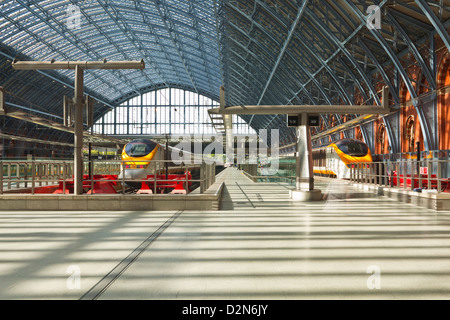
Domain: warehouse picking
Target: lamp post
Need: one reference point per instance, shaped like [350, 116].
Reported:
[79, 67]
[303, 117]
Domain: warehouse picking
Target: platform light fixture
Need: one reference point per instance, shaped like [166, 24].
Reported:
[79, 100]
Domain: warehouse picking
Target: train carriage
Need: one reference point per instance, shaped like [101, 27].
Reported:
[138, 156]
[335, 159]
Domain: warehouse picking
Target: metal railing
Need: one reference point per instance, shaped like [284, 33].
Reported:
[285, 179]
[155, 168]
[408, 174]
[252, 172]
[23, 174]
[29, 175]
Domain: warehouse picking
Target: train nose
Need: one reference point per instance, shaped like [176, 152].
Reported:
[133, 174]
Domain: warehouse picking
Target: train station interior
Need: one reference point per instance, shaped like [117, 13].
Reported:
[224, 150]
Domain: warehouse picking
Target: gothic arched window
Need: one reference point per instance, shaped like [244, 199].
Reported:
[409, 133]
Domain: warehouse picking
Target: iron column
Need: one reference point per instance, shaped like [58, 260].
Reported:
[78, 137]
[79, 67]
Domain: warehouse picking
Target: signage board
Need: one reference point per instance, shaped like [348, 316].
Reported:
[313, 120]
[293, 120]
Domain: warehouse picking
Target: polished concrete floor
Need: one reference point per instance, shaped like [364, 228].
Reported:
[260, 245]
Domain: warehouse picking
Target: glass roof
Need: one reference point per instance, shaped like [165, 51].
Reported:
[176, 39]
[275, 52]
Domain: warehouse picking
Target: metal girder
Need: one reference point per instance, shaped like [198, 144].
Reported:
[440, 29]
[395, 60]
[248, 74]
[264, 31]
[65, 84]
[250, 40]
[261, 29]
[380, 69]
[57, 126]
[33, 140]
[110, 5]
[43, 41]
[333, 56]
[390, 133]
[146, 8]
[294, 26]
[194, 46]
[170, 28]
[314, 80]
[73, 39]
[425, 69]
[313, 109]
[342, 91]
[349, 56]
[327, 109]
[355, 80]
[386, 47]
[126, 26]
[71, 65]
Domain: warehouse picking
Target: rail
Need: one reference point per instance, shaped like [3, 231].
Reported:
[409, 174]
[19, 175]
[252, 172]
[285, 179]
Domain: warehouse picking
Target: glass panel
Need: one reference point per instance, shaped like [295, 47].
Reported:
[165, 111]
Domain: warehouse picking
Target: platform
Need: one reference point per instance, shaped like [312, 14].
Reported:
[260, 245]
[209, 200]
[429, 199]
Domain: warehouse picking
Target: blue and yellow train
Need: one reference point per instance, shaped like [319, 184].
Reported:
[335, 159]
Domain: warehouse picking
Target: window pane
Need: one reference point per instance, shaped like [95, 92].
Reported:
[121, 114]
[165, 111]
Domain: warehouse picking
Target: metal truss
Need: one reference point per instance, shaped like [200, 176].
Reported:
[331, 52]
[273, 52]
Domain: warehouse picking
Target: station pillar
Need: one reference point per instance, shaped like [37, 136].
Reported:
[79, 67]
[304, 170]
[78, 136]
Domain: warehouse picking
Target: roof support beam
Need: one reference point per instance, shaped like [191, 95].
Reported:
[60, 81]
[58, 27]
[391, 88]
[428, 141]
[311, 109]
[134, 40]
[380, 69]
[297, 109]
[349, 56]
[71, 65]
[348, 39]
[414, 50]
[282, 52]
[173, 36]
[79, 67]
[440, 29]
[285, 46]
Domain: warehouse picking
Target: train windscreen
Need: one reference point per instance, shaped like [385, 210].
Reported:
[139, 149]
[353, 148]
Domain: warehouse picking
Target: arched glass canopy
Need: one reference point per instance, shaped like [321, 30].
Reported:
[276, 52]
